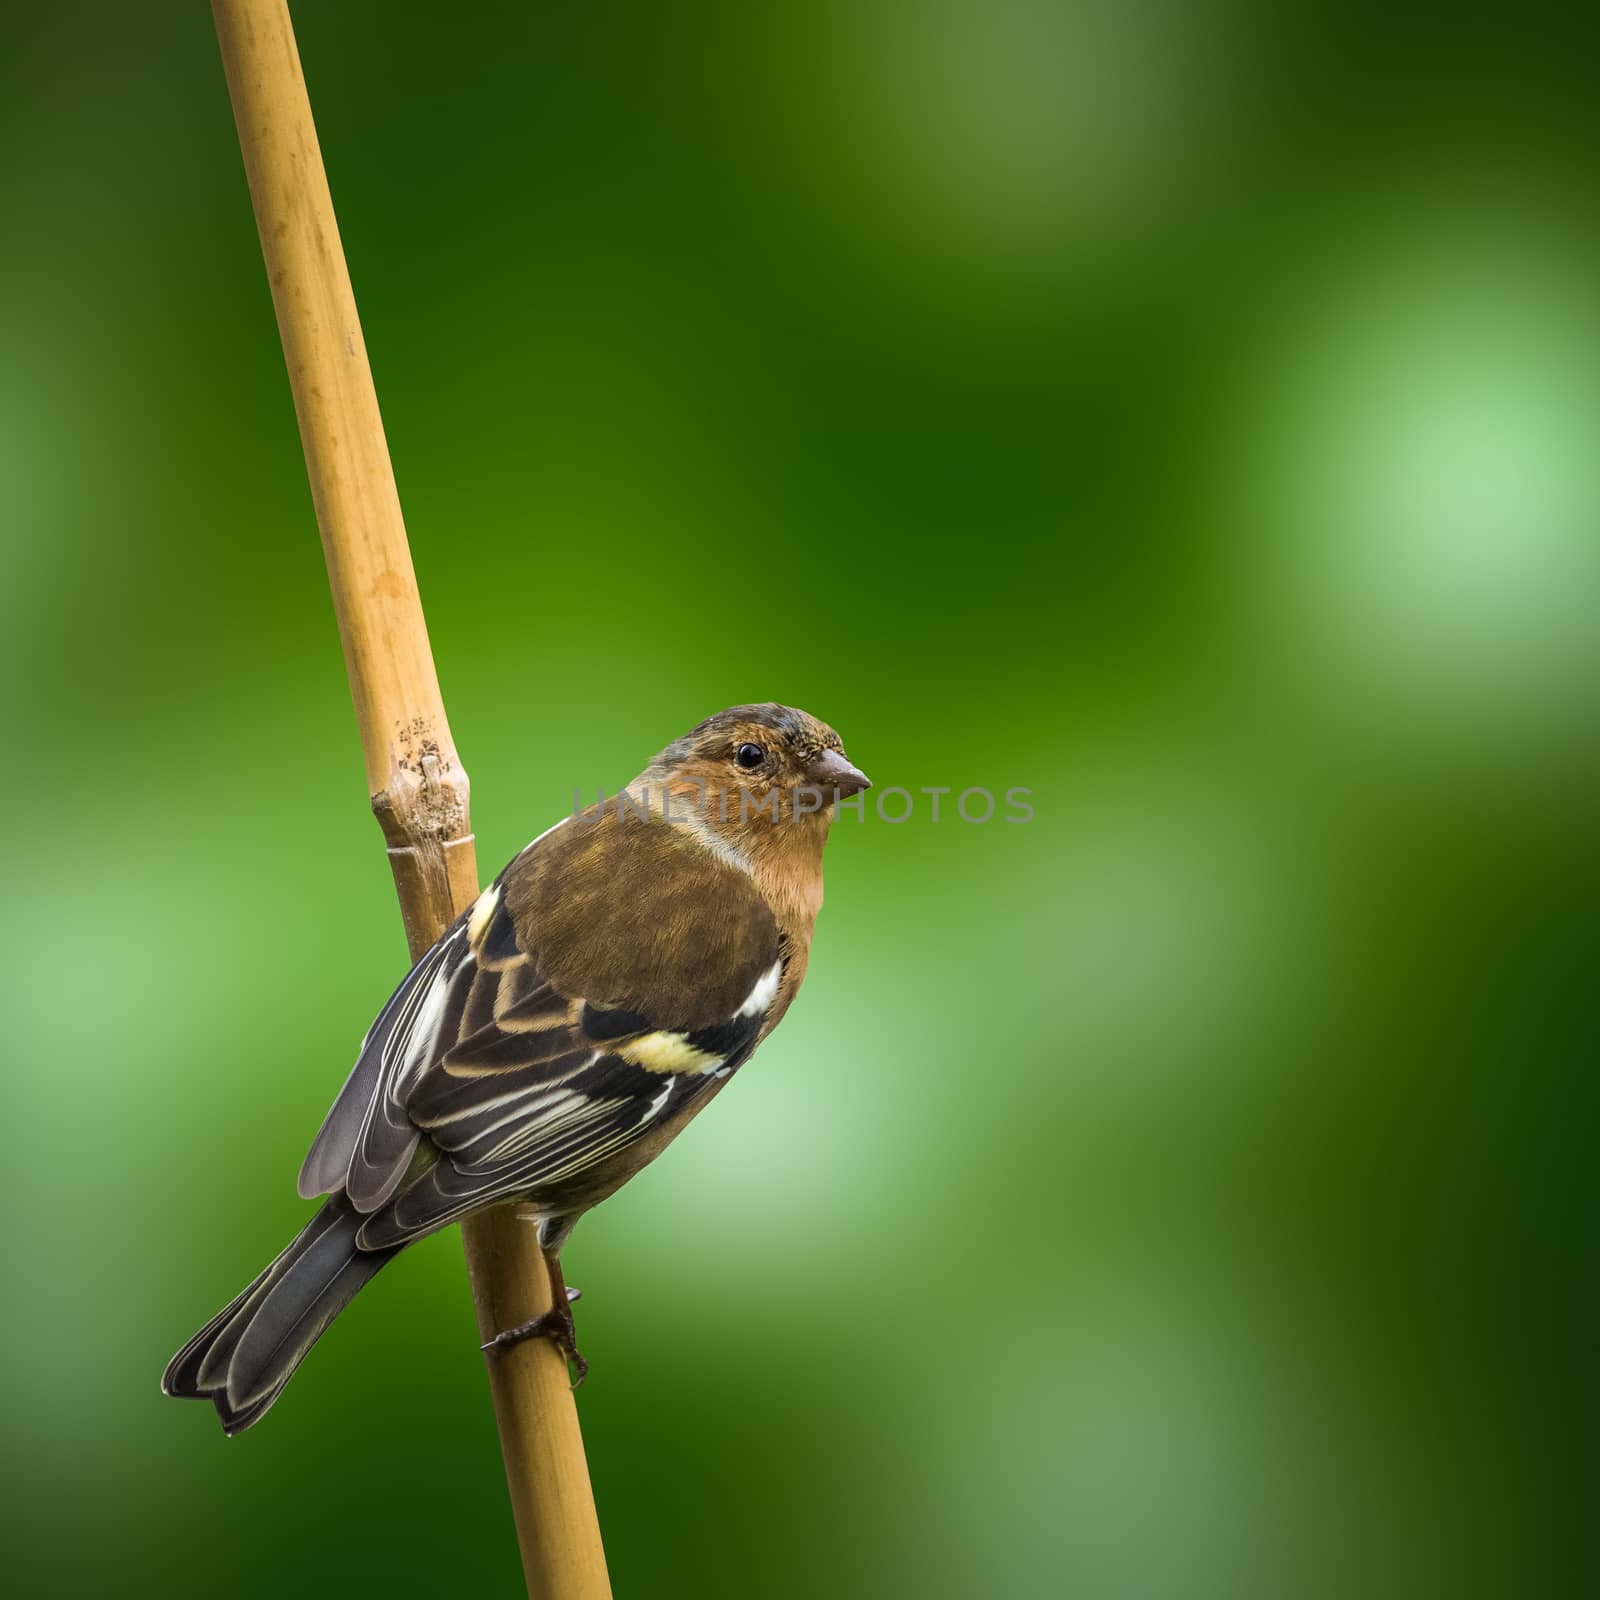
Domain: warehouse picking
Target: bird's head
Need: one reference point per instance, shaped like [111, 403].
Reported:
[759, 774]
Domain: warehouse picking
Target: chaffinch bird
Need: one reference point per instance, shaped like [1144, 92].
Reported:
[597, 996]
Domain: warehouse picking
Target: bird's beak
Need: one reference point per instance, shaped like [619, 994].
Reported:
[831, 771]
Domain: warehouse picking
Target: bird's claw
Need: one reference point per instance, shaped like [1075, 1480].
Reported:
[555, 1325]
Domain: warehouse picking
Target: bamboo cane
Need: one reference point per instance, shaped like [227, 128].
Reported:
[418, 787]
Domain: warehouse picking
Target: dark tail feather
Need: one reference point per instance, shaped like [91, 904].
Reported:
[244, 1355]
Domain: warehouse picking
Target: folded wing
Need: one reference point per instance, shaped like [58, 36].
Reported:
[485, 1079]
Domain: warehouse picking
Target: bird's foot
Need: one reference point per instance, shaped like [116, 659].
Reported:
[554, 1325]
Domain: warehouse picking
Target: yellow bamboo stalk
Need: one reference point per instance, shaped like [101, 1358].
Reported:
[418, 787]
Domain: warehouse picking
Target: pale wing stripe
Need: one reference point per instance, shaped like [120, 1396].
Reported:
[585, 1158]
[570, 1119]
[397, 1048]
[424, 1031]
[398, 1038]
[508, 1182]
[659, 1101]
[765, 992]
[536, 1117]
[577, 1160]
[529, 1092]
[593, 1113]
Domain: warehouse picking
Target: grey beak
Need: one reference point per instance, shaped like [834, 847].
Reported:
[831, 771]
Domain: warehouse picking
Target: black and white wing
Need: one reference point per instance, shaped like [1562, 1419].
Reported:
[481, 1080]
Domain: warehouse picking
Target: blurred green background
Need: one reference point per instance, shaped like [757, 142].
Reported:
[1191, 414]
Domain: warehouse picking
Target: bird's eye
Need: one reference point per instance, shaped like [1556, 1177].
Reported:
[749, 756]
